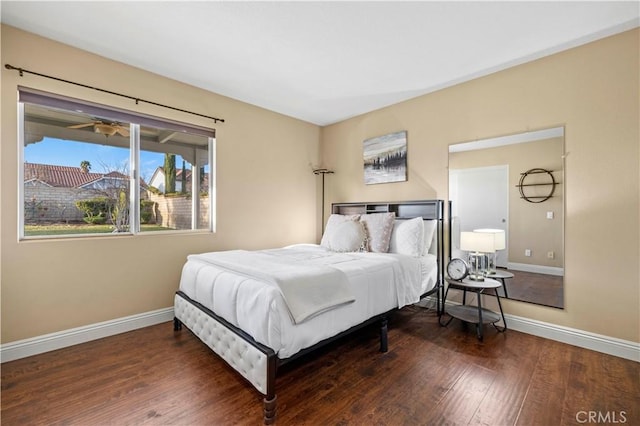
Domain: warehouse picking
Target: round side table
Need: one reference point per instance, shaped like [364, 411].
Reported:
[474, 314]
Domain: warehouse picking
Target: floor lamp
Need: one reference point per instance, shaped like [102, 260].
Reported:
[322, 172]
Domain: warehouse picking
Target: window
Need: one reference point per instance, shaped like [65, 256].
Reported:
[89, 169]
[177, 178]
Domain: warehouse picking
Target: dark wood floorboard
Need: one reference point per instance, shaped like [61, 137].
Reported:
[431, 375]
[541, 289]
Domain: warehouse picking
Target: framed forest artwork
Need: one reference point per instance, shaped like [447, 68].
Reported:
[385, 158]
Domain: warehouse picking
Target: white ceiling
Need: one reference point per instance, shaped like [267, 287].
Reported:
[322, 62]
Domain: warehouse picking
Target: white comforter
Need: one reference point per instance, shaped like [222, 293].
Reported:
[311, 282]
[377, 282]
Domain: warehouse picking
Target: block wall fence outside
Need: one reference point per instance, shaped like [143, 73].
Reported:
[54, 204]
[175, 212]
[47, 204]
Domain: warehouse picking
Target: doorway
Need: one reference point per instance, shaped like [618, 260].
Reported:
[481, 196]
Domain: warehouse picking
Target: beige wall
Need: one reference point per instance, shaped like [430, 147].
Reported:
[593, 91]
[528, 226]
[264, 165]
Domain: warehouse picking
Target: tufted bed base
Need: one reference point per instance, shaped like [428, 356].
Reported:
[255, 362]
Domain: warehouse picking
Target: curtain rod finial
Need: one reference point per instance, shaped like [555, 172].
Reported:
[11, 67]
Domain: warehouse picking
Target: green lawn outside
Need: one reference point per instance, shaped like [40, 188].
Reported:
[71, 229]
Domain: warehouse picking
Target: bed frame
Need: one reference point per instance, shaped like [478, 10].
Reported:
[258, 363]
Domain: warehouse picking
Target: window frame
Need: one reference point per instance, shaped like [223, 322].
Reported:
[135, 120]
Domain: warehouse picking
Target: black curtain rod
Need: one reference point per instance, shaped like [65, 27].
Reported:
[22, 71]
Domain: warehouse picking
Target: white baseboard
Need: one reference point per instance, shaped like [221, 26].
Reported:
[538, 269]
[583, 339]
[49, 342]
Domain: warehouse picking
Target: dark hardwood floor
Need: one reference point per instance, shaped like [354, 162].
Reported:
[541, 289]
[431, 375]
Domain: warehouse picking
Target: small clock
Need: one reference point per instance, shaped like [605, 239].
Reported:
[457, 269]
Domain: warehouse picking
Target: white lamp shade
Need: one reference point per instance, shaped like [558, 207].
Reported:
[499, 240]
[477, 241]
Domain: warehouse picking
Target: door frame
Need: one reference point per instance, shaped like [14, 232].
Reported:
[501, 219]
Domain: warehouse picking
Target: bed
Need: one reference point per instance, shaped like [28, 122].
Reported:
[258, 310]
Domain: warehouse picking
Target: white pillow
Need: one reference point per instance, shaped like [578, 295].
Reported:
[378, 227]
[429, 230]
[407, 237]
[348, 236]
[333, 221]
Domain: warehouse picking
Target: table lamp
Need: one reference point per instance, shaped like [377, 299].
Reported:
[477, 243]
[499, 243]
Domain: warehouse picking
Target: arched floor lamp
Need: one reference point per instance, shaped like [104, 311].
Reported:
[322, 172]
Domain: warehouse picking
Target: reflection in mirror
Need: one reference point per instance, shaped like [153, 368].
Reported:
[514, 183]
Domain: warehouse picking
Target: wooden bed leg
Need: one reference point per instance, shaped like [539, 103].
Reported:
[269, 410]
[177, 324]
[384, 345]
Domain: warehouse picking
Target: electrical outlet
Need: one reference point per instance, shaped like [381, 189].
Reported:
[549, 215]
[527, 252]
[550, 255]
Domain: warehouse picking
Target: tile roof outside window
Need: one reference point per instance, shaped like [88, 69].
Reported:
[65, 176]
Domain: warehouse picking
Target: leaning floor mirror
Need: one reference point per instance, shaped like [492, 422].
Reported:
[514, 184]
